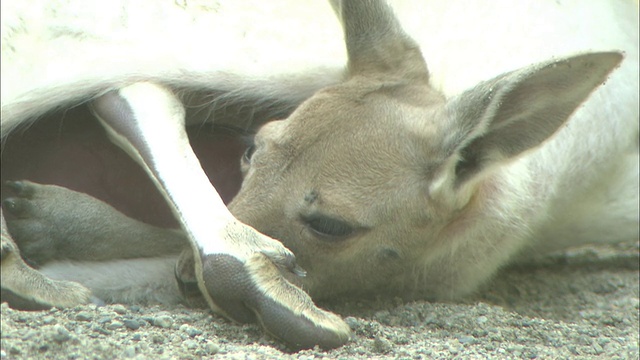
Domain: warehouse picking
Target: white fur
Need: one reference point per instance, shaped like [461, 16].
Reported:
[131, 281]
[59, 52]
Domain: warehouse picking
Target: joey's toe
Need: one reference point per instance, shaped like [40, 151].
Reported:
[23, 204]
[17, 207]
[24, 189]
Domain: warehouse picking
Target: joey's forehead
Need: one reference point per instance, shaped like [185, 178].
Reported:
[352, 169]
[332, 110]
[359, 200]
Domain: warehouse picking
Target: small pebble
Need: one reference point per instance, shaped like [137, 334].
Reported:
[104, 320]
[382, 345]
[190, 330]
[119, 309]
[15, 350]
[190, 344]
[130, 351]
[467, 340]
[163, 321]
[211, 348]
[60, 334]
[157, 339]
[101, 330]
[84, 316]
[131, 324]
[115, 325]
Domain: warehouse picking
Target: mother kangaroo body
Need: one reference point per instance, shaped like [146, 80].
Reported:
[458, 137]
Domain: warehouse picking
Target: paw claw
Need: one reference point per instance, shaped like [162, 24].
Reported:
[285, 260]
[298, 270]
[15, 207]
[20, 188]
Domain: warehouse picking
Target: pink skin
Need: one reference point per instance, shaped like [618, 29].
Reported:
[72, 151]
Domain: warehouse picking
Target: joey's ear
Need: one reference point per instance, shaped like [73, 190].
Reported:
[499, 119]
[376, 43]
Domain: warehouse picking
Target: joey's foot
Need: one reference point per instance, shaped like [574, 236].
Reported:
[249, 286]
[50, 222]
[25, 288]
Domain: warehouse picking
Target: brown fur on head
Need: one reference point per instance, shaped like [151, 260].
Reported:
[380, 183]
[312, 174]
[344, 193]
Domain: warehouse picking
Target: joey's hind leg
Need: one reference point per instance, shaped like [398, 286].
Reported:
[54, 223]
[25, 288]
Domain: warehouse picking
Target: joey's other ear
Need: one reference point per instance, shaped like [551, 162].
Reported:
[376, 43]
[499, 119]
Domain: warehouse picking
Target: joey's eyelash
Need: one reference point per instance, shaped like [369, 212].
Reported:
[328, 228]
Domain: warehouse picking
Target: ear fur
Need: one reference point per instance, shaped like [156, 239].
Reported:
[500, 119]
[376, 43]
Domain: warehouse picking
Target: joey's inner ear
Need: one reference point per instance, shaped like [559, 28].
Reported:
[376, 43]
[498, 120]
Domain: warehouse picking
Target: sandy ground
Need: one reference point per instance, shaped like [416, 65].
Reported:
[582, 304]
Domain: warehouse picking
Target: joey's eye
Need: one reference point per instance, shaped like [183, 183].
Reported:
[328, 228]
[246, 157]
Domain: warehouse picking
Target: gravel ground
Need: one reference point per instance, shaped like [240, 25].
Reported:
[579, 305]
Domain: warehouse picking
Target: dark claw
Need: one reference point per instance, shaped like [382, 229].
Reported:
[289, 262]
[20, 188]
[14, 207]
[299, 271]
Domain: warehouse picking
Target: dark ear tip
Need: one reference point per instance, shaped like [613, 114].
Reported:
[615, 56]
[606, 59]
